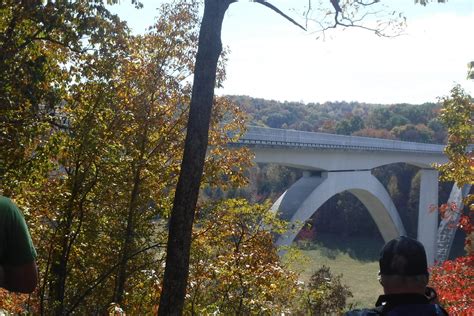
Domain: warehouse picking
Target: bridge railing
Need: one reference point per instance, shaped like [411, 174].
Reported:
[284, 137]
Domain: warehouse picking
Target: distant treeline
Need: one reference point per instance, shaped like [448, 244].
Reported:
[408, 122]
[344, 214]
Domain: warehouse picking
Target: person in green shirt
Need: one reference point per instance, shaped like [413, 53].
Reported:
[18, 271]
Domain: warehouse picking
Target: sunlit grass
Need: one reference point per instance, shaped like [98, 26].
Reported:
[354, 258]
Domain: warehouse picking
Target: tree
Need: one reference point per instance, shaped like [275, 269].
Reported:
[439, 131]
[235, 268]
[327, 295]
[154, 88]
[110, 150]
[379, 118]
[375, 133]
[397, 120]
[46, 62]
[457, 116]
[454, 279]
[36, 41]
[349, 126]
[343, 127]
[187, 189]
[413, 133]
[357, 123]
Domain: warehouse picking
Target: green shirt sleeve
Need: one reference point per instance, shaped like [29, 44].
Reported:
[16, 247]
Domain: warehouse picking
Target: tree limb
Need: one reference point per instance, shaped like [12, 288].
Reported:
[366, 4]
[272, 7]
[106, 274]
[348, 15]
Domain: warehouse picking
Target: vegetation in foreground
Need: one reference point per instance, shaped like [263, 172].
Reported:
[355, 259]
[454, 279]
[91, 144]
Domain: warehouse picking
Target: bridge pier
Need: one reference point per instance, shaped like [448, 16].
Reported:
[427, 215]
[448, 226]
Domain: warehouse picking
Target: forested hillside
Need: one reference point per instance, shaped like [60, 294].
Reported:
[344, 214]
[408, 122]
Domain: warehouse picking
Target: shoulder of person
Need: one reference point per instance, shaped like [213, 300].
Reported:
[431, 309]
[9, 211]
[363, 312]
[418, 309]
[5, 202]
[7, 208]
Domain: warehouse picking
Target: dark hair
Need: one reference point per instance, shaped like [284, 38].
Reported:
[403, 256]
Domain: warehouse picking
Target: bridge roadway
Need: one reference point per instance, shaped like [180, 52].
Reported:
[332, 164]
[263, 136]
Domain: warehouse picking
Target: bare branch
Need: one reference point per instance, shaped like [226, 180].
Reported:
[366, 4]
[425, 2]
[307, 12]
[370, 15]
[272, 7]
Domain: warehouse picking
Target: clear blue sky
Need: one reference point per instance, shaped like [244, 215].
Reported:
[273, 59]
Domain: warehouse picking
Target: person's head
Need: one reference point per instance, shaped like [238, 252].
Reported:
[403, 266]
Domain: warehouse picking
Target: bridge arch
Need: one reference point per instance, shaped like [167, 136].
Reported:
[308, 194]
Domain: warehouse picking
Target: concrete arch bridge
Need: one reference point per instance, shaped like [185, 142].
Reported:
[333, 164]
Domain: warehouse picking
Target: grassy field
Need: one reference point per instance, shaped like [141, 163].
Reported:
[355, 258]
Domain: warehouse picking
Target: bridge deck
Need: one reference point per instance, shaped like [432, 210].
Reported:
[262, 136]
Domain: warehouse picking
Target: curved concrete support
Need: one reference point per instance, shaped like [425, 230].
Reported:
[448, 226]
[365, 187]
[292, 198]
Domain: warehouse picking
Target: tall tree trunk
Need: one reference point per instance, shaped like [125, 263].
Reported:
[187, 189]
[61, 259]
[59, 271]
[128, 242]
[127, 247]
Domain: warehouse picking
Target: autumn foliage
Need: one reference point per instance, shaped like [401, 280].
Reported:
[454, 283]
[454, 279]
[235, 268]
[92, 150]
[92, 155]
[326, 295]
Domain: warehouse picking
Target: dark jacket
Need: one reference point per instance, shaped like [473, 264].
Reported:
[401, 304]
